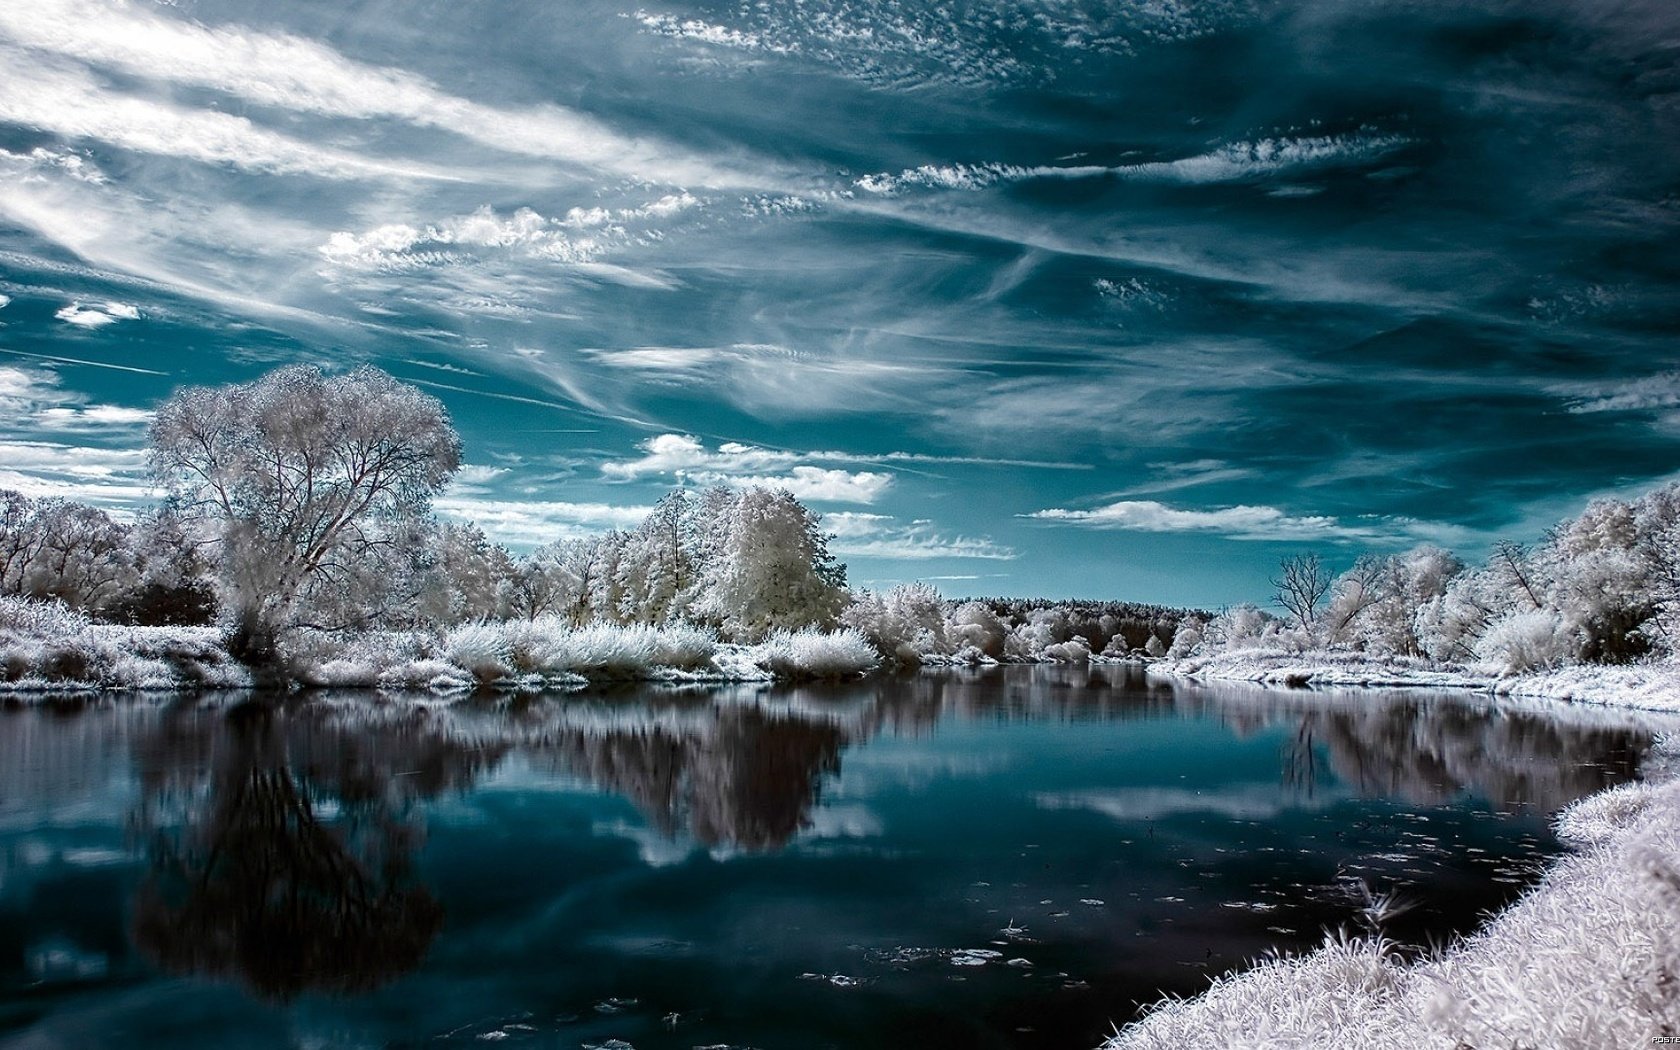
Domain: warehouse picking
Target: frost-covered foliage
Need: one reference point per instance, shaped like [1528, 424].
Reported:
[48, 647]
[147, 573]
[1585, 960]
[740, 561]
[904, 623]
[811, 653]
[766, 566]
[911, 624]
[1602, 588]
[311, 493]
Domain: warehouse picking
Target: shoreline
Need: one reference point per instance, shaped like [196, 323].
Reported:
[1586, 959]
[1645, 687]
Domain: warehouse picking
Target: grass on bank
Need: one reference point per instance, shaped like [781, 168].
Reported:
[1587, 960]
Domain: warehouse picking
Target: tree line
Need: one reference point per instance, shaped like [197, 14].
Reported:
[302, 502]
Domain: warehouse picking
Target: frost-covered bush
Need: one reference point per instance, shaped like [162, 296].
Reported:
[48, 647]
[481, 648]
[1075, 650]
[1187, 640]
[40, 619]
[816, 654]
[976, 624]
[1239, 627]
[1529, 641]
[904, 624]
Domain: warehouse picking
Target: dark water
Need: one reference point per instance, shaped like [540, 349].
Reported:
[1003, 858]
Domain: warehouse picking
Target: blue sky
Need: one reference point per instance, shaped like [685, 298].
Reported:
[1025, 296]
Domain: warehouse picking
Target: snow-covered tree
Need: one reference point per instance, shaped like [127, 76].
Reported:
[57, 549]
[467, 577]
[1375, 605]
[765, 565]
[300, 482]
[658, 565]
[903, 625]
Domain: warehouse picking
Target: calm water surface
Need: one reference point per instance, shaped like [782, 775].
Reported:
[1011, 857]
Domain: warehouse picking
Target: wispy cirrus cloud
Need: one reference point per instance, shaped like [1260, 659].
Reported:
[75, 105]
[290, 73]
[859, 535]
[1230, 162]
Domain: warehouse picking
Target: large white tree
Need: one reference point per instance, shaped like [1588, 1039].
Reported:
[765, 564]
[304, 485]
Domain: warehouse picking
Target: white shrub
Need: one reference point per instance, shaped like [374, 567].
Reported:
[480, 648]
[1528, 641]
[815, 654]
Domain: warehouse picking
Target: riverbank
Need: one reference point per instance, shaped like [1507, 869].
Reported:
[1589, 959]
[48, 651]
[1651, 687]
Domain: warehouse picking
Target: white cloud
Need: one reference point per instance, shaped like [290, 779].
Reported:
[5, 301]
[529, 523]
[111, 478]
[1232, 802]
[1233, 162]
[1652, 393]
[97, 316]
[293, 73]
[705, 32]
[1240, 522]
[578, 239]
[813, 483]
[883, 536]
[773, 379]
[74, 105]
[34, 397]
[740, 465]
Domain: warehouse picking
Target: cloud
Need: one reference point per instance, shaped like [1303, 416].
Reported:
[97, 316]
[73, 105]
[1659, 392]
[1241, 522]
[530, 523]
[862, 535]
[1232, 162]
[292, 73]
[580, 238]
[1230, 801]
[112, 478]
[743, 466]
[33, 397]
[773, 379]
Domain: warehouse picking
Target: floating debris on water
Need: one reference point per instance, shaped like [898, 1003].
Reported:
[974, 956]
[838, 980]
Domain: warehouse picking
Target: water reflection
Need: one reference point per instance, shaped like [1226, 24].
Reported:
[279, 847]
[283, 847]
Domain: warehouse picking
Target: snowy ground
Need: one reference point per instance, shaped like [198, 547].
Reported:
[1588, 960]
[1653, 687]
[54, 652]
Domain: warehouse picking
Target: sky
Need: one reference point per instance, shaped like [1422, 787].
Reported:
[1026, 297]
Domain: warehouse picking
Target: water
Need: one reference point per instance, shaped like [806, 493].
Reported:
[1004, 858]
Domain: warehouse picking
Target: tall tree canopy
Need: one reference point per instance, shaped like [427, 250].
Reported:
[301, 481]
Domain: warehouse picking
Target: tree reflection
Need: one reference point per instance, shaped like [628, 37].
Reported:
[280, 849]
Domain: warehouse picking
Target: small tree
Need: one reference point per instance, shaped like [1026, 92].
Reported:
[1300, 587]
[301, 483]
